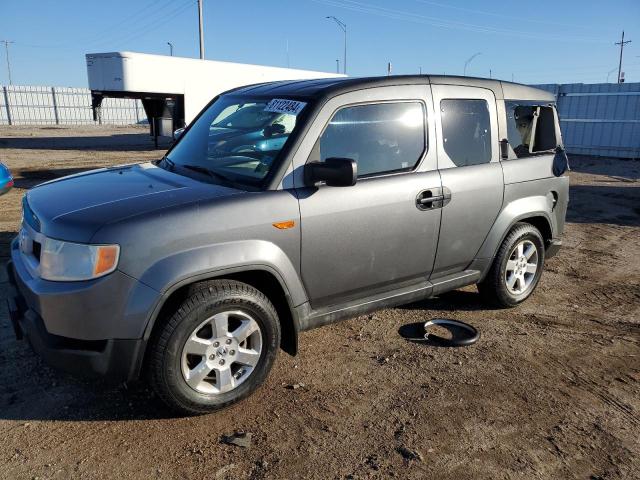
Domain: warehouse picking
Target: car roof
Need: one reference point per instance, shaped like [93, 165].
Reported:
[329, 87]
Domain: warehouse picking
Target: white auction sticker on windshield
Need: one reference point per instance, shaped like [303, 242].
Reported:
[282, 105]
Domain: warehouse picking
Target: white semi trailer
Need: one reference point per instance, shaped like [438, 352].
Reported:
[173, 90]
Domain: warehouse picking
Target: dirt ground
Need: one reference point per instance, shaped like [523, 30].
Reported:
[551, 390]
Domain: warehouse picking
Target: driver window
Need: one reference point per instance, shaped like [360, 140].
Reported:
[381, 138]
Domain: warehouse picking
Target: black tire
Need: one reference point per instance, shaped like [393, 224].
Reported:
[494, 288]
[203, 301]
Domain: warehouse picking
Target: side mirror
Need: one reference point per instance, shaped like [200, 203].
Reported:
[178, 133]
[335, 172]
[504, 149]
[275, 129]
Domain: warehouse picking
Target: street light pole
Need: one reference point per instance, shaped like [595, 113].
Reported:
[343, 27]
[6, 49]
[170, 48]
[201, 29]
[466, 64]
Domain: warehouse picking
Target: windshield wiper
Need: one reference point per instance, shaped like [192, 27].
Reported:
[211, 173]
[169, 162]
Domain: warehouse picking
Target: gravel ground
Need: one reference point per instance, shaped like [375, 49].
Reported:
[550, 391]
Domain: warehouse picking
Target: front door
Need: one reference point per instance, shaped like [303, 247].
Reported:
[380, 234]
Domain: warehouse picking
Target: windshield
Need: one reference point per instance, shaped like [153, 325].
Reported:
[237, 139]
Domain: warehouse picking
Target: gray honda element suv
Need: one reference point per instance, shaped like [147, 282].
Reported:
[283, 207]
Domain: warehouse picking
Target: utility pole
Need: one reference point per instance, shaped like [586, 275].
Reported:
[170, 48]
[389, 67]
[337, 65]
[343, 27]
[622, 43]
[6, 49]
[201, 30]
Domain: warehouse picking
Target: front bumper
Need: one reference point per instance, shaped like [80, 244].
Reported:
[115, 360]
[92, 328]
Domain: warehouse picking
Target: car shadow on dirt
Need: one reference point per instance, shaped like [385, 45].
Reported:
[617, 205]
[30, 390]
[102, 143]
[625, 170]
[59, 397]
[455, 300]
[5, 242]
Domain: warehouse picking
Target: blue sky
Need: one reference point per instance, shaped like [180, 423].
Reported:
[538, 41]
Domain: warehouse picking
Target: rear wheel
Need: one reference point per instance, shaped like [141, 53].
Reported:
[517, 268]
[217, 347]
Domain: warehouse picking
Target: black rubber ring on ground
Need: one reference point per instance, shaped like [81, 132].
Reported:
[464, 341]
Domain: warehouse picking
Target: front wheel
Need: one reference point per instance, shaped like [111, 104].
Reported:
[217, 347]
[517, 268]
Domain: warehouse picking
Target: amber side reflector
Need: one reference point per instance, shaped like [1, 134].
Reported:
[107, 259]
[284, 225]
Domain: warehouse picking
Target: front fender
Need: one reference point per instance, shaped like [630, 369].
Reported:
[187, 266]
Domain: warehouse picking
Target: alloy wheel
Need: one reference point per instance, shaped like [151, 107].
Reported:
[221, 352]
[522, 267]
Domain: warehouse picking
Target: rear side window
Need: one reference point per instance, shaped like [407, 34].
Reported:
[466, 131]
[531, 129]
[381, 138]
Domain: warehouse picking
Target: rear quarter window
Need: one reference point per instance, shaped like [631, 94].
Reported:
[531, 128]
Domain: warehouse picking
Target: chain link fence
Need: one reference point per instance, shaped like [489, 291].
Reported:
[33, 105]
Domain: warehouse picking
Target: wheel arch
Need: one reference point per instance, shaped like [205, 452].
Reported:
[540, 220]
[533, 210]
[261, 277]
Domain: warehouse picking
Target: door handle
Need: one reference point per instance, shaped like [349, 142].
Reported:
[428, 199]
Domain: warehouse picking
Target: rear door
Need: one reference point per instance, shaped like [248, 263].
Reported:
[375, 236]
[468, 161]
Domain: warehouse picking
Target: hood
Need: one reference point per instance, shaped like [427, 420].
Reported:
[74, 208]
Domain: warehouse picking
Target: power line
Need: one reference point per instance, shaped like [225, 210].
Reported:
[158, 22]
[521, 18]
[112, 32]
[442, 23]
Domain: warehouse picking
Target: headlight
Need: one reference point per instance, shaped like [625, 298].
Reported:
[66, 262]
